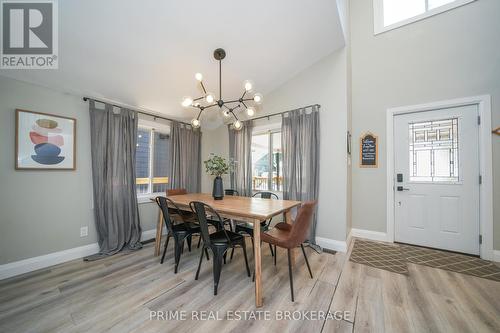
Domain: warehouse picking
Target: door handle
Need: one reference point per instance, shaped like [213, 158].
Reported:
[401, 188]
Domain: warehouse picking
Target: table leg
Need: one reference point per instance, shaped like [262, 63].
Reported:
[159, 228]
[257, 260]
[288, 219]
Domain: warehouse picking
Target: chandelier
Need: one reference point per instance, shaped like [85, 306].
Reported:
[228, 107]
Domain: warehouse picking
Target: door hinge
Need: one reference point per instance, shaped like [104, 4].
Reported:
[480, 179]
[480, 239]
[479, 120]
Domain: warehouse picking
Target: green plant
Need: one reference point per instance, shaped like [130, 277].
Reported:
[218, 165]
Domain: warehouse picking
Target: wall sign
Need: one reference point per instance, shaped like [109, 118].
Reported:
[368, 151]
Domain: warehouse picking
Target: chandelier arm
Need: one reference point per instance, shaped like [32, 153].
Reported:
[197, 99]
[246, 107]
[236, 107]
[247, 99]
[244, 93]
[233, 101]
[199, 114]
[203, 87]
[209, 106]
[234, 115]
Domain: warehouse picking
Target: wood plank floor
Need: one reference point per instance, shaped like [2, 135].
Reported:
[117, 294]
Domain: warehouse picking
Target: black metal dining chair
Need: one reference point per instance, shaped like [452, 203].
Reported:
[218, 242]
[231, 192]
[247, 228]
[180, 231]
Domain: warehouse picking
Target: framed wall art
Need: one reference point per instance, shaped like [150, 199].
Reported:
[45, 141]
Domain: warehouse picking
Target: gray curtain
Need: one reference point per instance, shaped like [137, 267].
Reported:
[240, 150]
[300, 144]
[113, 144]
[185, 157]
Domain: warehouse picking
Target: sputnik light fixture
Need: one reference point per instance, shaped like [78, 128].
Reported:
[208, 100]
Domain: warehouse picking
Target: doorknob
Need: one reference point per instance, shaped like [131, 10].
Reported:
[401, 188]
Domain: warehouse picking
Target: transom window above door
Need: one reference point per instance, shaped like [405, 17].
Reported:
[391, 14]
[433, 151]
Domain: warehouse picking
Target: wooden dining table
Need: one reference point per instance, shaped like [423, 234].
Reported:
[248, 209]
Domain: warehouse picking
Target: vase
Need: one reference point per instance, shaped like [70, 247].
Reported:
[218, 190]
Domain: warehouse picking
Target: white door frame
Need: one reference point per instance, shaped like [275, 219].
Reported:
[485, 164]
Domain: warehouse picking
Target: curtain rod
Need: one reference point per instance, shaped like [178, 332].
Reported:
[135, 109]
[280, 113]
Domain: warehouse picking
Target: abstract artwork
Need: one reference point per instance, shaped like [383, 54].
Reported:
[44, 141]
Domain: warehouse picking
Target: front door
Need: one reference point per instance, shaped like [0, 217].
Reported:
[436, 159]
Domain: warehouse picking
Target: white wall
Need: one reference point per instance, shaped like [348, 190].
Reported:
[42, 211]
[324, 83]
[450, 55]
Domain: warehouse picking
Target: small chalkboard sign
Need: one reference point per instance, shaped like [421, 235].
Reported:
[368, 151]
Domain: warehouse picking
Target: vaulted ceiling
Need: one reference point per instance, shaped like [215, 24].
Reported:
[145, 53]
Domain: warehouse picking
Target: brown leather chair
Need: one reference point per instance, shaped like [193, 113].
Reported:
[176, 191]
[290, 236]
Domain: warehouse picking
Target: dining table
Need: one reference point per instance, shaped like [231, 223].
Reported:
[247, 209]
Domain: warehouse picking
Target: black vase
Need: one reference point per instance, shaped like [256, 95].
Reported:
[218, 190]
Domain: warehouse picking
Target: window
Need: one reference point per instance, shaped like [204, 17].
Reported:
[152, 161]
[142, 154]
[434, 151]
[267, 161]
[391, 14]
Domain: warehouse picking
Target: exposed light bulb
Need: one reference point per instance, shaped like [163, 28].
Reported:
[186, 101]
[198, 77]
[250, 112]
[248, 85]
[209, 98]
[237, 125]
[195, 123]
[257, 98]
[226, 113]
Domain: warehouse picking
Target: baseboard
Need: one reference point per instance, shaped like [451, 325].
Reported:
[368, 234]
[55, 258]
[150, 234]
[332, 244]
[51, 259]
[496, 255]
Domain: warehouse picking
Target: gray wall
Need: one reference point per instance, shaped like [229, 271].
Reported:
[323, 83]
[214, 141]
[42, 211]
[450, 55]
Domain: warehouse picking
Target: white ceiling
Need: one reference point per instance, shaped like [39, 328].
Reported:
[145, 53]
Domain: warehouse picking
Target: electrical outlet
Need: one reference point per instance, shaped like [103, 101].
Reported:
[84, 231]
